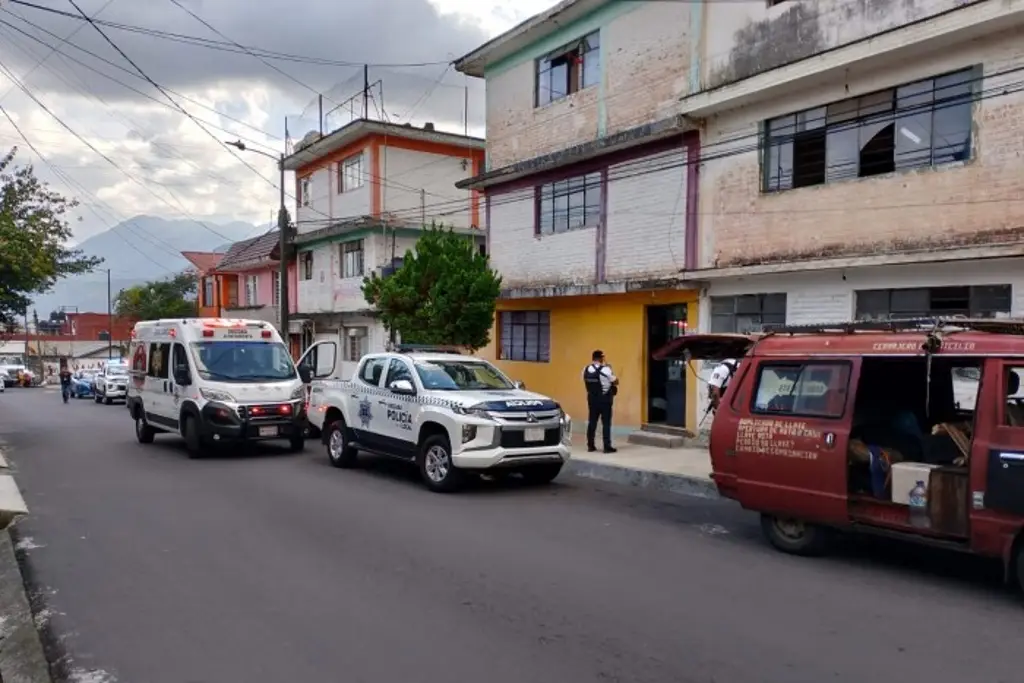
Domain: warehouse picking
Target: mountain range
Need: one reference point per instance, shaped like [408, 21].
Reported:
[138, 250]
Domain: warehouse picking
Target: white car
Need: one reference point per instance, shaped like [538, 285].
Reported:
[448, 413]
[111, 384]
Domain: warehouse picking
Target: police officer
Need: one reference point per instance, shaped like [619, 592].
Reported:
[602, 385]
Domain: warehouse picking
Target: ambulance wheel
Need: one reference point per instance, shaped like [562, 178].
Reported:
[1018, 561]
[794, 536]
[143, 432]
[193, 438]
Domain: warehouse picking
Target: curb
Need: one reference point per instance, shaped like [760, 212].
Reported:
[22, 659]
[700, 487]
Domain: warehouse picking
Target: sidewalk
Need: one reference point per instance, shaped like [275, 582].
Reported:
[685, 471]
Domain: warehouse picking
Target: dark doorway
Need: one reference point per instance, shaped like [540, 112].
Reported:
[666, 380]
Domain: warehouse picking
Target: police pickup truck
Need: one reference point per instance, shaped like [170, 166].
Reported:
[452, 415]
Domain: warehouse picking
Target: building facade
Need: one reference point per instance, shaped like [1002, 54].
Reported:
[591, 199]
[250, 278]
[365, 191]
[860, 164]
[211, 293]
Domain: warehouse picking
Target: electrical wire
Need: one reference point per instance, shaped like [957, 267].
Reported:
[732, 147]
[229, 46]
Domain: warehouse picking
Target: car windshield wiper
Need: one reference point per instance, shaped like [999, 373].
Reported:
[210, 374]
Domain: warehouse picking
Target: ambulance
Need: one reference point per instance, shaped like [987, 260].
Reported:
[214, 380]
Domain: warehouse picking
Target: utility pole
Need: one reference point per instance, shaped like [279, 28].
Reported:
[110, 320]
[423, 209]
[320, 101]
[465, 111]
[366, 91]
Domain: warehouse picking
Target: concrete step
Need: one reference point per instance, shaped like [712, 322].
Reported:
[647, 438]
[666, 429]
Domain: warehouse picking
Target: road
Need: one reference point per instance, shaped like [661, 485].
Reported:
[274, 567]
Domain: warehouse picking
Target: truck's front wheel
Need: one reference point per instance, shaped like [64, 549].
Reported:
[794, 536]
[436, 468]
[340, 453]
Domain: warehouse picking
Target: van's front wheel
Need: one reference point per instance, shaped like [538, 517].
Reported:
[795, 536]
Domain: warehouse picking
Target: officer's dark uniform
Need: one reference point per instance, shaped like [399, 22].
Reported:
[599, 404]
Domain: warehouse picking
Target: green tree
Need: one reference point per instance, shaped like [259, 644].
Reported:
[444, 293]
[170, 298]
[33, 239]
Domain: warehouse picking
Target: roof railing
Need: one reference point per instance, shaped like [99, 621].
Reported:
[918, 324]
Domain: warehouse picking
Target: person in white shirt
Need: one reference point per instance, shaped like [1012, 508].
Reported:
[719, 380]
[602, 385]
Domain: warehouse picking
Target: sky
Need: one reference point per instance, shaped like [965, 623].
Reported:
[125, 148]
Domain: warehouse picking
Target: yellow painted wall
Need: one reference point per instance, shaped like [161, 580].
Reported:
[614, 323]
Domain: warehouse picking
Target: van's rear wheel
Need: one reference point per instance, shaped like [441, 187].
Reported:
[795, 536]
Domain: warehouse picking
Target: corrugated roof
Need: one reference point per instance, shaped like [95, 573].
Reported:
[251, 252]
[204, 261]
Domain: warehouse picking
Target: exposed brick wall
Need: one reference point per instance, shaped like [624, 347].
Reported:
[646, 69]
[961, 203]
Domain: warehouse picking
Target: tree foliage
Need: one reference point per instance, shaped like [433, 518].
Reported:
[444, 293]
[170, 298]
[33, 239]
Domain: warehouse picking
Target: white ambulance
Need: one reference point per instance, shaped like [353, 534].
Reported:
[214, 380]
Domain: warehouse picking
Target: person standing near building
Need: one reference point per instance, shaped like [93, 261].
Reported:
[602, 385]
[719, 381]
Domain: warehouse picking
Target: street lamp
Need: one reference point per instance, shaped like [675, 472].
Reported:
[282, 225]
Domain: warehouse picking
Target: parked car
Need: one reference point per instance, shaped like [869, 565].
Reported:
[82, 385]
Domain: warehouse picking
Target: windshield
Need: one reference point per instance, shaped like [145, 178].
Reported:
[117, 371]
[243, 361]
[461, 375]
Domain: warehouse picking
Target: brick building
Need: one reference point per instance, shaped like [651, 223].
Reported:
[856, 160]
[590, 199]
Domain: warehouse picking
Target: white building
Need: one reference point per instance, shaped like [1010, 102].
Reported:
[364, 193]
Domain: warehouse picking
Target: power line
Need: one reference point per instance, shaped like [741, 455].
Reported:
[106, 158]
[135, 75]
[730, 149]
[228, 46]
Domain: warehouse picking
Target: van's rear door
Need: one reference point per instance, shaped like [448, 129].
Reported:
[706, 347]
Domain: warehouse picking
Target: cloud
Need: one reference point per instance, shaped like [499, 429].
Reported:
[167, 165]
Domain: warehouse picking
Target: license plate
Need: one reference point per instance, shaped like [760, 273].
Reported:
[268, 431]
[531, 435]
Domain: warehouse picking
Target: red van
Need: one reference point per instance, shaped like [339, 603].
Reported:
[912, 429]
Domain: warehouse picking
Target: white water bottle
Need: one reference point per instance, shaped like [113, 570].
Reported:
[919, 506]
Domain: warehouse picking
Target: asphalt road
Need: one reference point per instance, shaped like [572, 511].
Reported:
[273, 567]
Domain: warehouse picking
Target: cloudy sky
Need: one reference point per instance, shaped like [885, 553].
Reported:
[168, 165]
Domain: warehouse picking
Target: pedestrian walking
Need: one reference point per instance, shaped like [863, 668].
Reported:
[602, 385]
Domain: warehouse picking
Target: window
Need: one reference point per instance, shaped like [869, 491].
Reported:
[461, 375]
[984, 301]
[773, 3]
[1013, 413]
[926, 123]
[966, 382]
[569, 204]
[276, 284]
[398, 370]
[304, 186]
[356, 343]
[251, 289]
[350, 173]
[352, 259]
[228, 360]
[812, 389]
[569, 69]
[748, 313]
[306, 265]
[159, 360]
[525, 335]
[180, 359]
[208, 291]
[372, 370]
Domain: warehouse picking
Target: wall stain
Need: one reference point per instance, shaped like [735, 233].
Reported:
[764, 45]
[934, 243]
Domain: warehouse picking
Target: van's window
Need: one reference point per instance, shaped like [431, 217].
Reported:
[811, 389]
[243, 361]
[372, 370]
[1013, 386]
[159, 360]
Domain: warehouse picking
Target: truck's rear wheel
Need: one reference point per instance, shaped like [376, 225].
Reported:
[339, 452]
[795, 536]
[436, 468]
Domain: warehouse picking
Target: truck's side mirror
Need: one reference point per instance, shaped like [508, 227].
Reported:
[305, 374]
[403, 387]
[519, 384]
